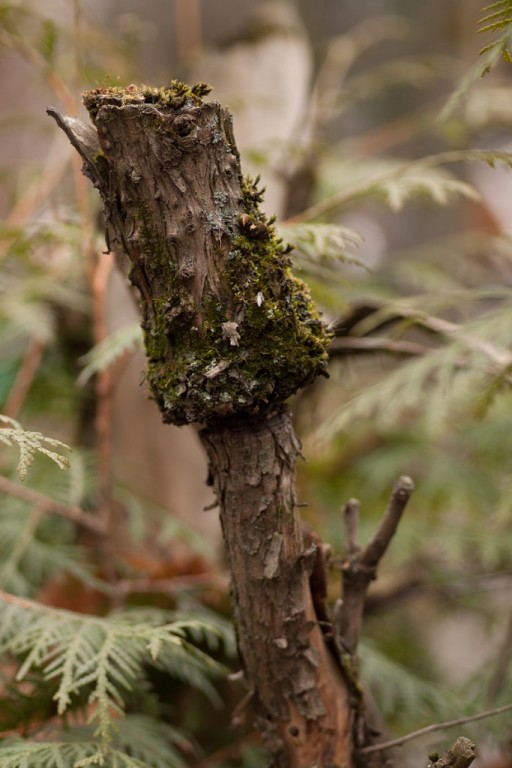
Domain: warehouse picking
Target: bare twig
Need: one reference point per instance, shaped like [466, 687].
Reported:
[69, 511]
[359, 568]
[434, 727]
[375, 549]
[345, 344]
[351, 524]
[103, 418]
[39, 190]
[24, 378]
[172, 586]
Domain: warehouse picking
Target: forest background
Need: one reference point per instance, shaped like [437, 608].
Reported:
[411, 264]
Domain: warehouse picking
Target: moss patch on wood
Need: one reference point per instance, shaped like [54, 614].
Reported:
[227, 327]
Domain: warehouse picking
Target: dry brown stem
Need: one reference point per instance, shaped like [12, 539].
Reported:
[359, 567]
[69, 511]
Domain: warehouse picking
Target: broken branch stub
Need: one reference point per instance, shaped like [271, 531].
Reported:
[227, 328]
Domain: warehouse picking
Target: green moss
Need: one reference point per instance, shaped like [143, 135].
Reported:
[251, 341]
[172, 96]
[257, 347]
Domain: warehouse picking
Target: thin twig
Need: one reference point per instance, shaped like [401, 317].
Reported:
[69, 511]
[359, 568]
[173, 585]
[24, 378]
[39, 190]
[432, 728]
[11, 563]
[343, 344]
[351, 512]
[374, 550]
[103, 418]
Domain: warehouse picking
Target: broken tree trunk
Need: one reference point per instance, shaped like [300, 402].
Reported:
[229, 336]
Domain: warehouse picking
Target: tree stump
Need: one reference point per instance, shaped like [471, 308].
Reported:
[229, 334]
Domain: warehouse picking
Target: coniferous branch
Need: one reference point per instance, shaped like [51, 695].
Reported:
[400, 691]
[110, 350]
[76, 754]
[30, 443]
[103, 658]
[407, 179]
[322, 250]
[498, 18]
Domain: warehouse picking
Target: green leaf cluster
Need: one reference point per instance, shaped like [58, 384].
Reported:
[97, 665]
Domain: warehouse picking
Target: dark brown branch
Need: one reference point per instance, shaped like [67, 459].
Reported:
[359, 568]
[373, 552]
[300, 697]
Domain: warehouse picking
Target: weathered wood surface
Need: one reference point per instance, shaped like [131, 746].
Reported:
[228, 329]
[229, 335]
[300, 697]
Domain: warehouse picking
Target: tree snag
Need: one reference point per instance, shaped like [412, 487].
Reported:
[230, 334]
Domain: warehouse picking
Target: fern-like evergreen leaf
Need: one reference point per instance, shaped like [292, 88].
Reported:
[103, 658]
[111, 349]
[498, 17]
[64, 754]
[30, 443]
[321, 246]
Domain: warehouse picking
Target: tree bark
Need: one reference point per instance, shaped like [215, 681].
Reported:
[229, 335]
[301, 700]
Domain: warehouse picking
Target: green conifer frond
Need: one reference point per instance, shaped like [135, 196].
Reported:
[397, 181]
[462, 377]
[30, 443]
[498, 18]
[101, 658]
[317, 246]
[35, 546]
[400, 693]
[151, 741]
[62, 754]
[111, 349]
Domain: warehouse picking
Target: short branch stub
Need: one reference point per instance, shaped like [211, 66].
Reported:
[227, 328]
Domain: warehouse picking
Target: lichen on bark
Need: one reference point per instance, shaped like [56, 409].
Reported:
[227, 327]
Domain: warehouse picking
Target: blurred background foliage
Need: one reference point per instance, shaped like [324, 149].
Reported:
[385, 156]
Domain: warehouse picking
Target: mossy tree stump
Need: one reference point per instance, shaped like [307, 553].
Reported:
[230, 334]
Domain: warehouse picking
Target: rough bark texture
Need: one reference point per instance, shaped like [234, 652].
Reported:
[229, 335]
[460, 755]
[228, 329]
[300, 697]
